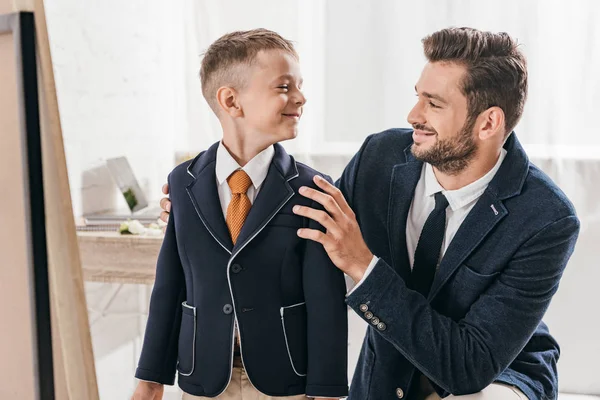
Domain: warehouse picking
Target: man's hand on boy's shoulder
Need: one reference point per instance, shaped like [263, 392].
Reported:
[148, 391]
[342, 239]
[165, 204]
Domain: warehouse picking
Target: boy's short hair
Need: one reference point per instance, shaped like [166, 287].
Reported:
[226, 59]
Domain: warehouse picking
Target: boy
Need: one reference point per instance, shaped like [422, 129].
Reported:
[242, 307]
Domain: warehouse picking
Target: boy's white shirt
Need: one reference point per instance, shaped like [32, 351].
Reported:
[257, 170]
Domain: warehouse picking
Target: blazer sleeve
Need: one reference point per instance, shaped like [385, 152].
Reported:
[158, 358]
[327, 321]
[465, 356]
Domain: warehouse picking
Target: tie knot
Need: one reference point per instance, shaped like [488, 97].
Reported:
[441, 202]
[239, 182]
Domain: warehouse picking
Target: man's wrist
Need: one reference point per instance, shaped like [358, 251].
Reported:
[358, 272]
[365, 274]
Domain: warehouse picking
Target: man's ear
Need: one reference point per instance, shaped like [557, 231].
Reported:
[490, 123]
[228, 100]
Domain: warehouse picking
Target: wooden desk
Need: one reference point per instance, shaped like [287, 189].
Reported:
[115, 258]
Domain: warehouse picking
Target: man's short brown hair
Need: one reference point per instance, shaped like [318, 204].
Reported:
[496, 69]
[226, 58]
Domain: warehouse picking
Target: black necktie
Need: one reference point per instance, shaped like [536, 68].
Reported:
[429, 247]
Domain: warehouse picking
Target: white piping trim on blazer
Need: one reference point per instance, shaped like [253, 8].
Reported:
[188, 171]
[286, 339]
[227, 250]
[231, 260]
[189, 166]
[185, 304]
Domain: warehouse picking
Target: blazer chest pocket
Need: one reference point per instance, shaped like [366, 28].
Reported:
[293, 322]
[468, 284]
[187, 340]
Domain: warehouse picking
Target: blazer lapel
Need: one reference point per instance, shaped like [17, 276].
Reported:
[403, 183]
[486, 213]
[273, 195]
[205, 197]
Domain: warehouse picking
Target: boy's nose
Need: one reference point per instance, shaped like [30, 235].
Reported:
[300, 99]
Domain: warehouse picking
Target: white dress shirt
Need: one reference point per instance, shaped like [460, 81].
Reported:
[461, 202]
[257, 170]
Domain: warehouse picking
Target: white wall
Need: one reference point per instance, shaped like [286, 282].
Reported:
[114, 78]
[115, 84]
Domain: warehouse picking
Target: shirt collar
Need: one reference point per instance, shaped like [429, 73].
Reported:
[257, 168]
[461, 197]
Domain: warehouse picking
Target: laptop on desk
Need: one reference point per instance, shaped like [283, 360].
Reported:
[137, 203]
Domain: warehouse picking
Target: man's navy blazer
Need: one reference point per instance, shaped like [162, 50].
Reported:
[482, 319]
[284, 292]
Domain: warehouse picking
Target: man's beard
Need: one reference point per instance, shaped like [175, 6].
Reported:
[451, 155]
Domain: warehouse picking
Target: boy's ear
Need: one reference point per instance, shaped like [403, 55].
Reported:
[227, 97]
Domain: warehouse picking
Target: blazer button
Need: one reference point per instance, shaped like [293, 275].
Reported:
[381, 326]
[399, 393]
[368, 315]
[236, 268]
[227, 309]
[375, 321]
[364, 308]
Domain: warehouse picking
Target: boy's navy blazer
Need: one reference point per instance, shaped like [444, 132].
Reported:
[284, 292]
[482, 319]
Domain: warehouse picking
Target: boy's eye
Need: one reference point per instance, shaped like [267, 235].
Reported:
[285, 87]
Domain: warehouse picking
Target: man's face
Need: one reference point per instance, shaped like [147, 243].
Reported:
[443, 134]
[272, 99]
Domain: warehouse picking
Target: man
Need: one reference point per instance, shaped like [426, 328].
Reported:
[462, 241]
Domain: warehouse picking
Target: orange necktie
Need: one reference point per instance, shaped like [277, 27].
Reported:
[238, 208]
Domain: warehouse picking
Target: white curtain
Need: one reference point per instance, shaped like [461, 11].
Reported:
[361, 60]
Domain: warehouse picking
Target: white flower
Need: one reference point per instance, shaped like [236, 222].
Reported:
[136, 227]
[153, 230]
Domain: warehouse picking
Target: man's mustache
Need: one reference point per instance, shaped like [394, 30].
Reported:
[425, 128]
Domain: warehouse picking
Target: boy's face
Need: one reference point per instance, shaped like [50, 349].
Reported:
[443, 134]
[272, 99]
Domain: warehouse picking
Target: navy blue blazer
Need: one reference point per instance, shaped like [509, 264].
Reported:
[482, 319]
[284, 292]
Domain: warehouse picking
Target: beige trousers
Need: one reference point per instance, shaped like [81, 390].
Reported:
[240, 388]
[496, 391]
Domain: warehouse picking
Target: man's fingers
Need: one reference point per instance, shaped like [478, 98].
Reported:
[317, 215]
[165, 204]
[164, 216]
[334, 192]
[322, 198]
[312, 234]
[165, 188]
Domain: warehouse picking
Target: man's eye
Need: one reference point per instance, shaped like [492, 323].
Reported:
[433, 105]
